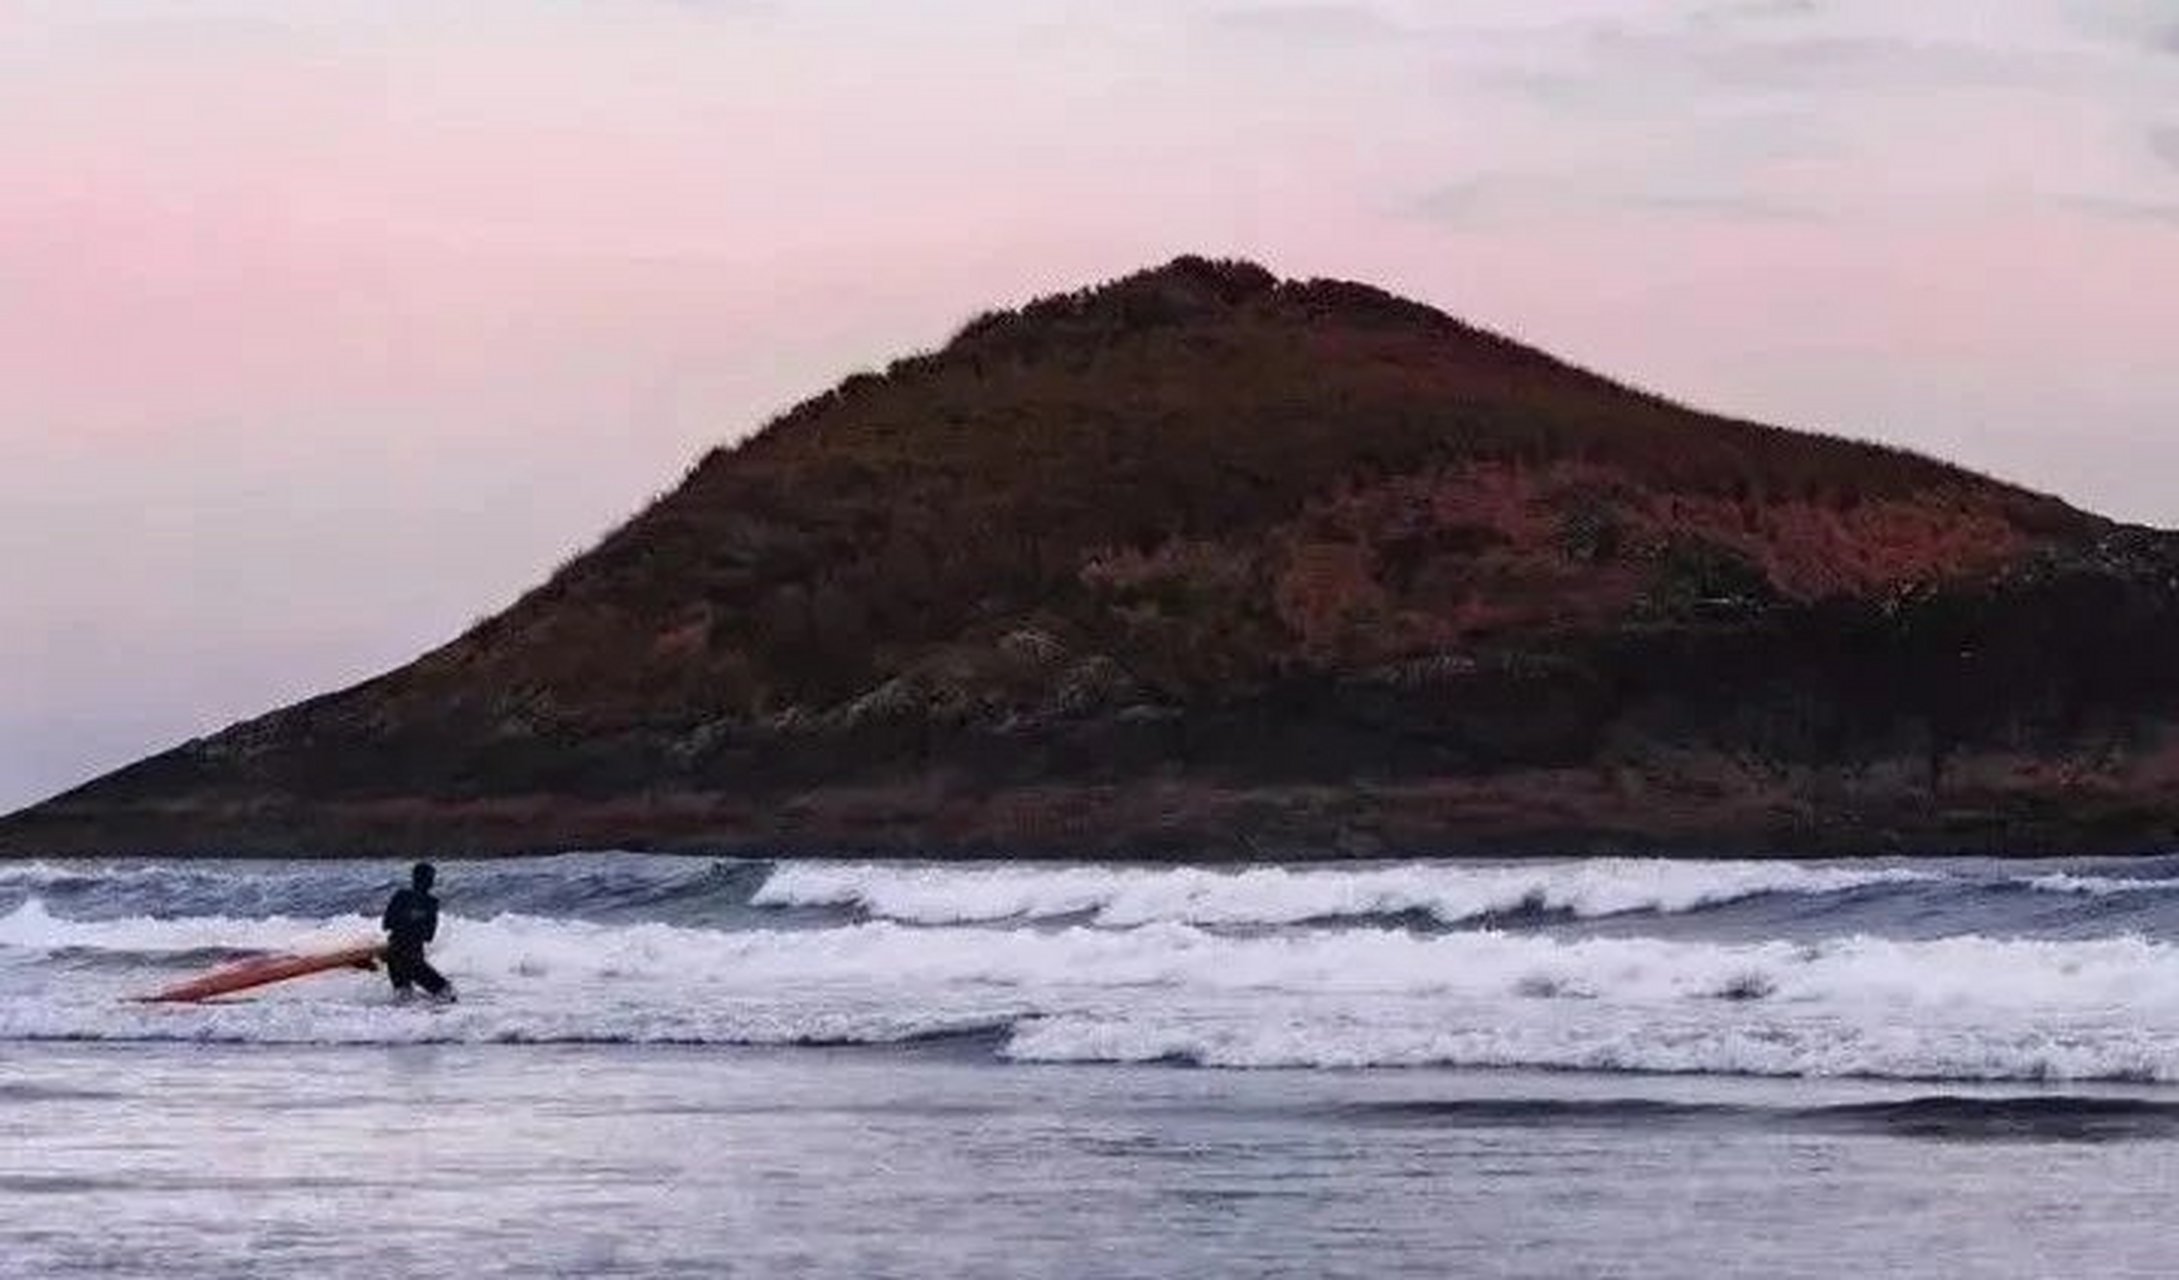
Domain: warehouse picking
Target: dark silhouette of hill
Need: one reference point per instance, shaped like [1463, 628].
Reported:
[1202, 561]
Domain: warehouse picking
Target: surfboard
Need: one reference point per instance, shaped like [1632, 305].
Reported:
[261, 971]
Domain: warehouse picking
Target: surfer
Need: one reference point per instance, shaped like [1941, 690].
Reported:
[411, 920]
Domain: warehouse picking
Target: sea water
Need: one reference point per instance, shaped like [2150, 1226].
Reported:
[666, 1066]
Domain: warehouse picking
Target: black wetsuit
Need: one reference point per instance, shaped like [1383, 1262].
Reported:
[411, 920]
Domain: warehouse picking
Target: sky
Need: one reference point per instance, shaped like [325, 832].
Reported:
[329, 328]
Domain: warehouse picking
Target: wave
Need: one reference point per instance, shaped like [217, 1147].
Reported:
[2059, 1118]
[1618, 1042]
[2096, 886]
[21, 1091]
[32, 927]
[1967, 1008]
[1950, 972]
[1450, 894]
[2036, 1117]
[1525, 1113]
[593, 886]
[698, 892]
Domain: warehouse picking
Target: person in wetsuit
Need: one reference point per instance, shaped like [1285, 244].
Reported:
[410, 921]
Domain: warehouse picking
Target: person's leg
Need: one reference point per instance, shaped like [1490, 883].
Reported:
[431, 980]
[401, 970]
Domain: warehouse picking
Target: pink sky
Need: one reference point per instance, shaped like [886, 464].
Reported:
[325, 329]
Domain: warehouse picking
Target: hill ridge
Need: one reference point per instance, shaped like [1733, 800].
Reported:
[1231, 558]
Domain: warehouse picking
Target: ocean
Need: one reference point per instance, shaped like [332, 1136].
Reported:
[682, 1066]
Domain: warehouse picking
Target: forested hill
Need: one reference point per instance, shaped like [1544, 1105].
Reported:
[1205, 562]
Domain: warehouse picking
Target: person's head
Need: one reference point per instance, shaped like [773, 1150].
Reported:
[421, 875]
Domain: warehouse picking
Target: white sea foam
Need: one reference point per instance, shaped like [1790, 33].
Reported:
[1621, 1040]
[31, 927]
[2096, 886]
[36, 873]
[1951, 972]
[1450, 893]
[1968, 1007]
[1114, 896]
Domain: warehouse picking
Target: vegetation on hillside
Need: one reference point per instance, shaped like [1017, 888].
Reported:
[1203, 556]
[1212, 478]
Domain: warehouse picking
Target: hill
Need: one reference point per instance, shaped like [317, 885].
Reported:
[1206, 562]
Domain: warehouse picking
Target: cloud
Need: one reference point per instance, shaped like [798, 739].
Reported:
[1729, 11]
[1310, 23]
[1812, 62]
[2128, 210]
[1806, 109]
[1654, 58]
[1512, 199]
[2141, 25]
[2164, 142]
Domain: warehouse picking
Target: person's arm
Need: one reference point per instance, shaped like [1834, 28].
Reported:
[431, 918]
[393, 907]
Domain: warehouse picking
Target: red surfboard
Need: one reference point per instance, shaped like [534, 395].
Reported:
[259, 971]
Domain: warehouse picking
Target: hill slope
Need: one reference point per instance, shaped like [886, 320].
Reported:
[1205, 561]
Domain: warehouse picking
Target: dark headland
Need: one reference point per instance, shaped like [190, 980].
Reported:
[1205, 563]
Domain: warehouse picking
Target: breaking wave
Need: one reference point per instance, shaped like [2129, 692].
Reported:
[1446, 894]
[1247, 969]
[730, 893]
